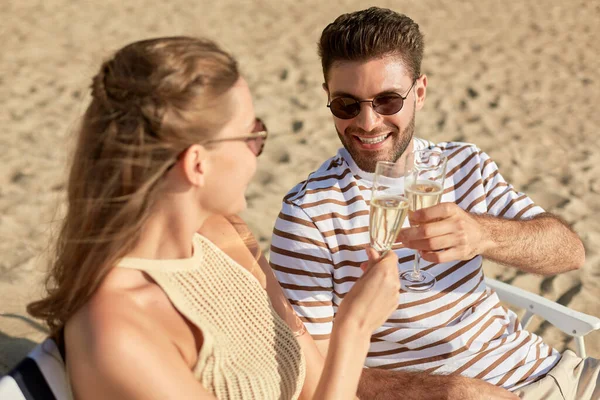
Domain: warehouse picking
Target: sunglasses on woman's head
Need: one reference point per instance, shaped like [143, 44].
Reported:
[255, 141]
[346, 107]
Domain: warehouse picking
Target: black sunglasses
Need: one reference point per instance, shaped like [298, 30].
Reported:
[347, 107]
[255, 141]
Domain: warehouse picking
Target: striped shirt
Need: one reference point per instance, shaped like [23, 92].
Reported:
[459, 326]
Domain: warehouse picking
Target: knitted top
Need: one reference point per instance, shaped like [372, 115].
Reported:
[248, 351]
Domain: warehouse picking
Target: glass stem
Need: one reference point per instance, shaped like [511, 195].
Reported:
[416, 270]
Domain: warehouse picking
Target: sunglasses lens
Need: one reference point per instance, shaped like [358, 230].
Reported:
[388, 104]
[344, 107]
[257, 144]
[259, 126]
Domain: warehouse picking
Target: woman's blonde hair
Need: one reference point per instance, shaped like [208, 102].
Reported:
[150, 102]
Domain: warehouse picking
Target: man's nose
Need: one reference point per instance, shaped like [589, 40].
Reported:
[368, 118]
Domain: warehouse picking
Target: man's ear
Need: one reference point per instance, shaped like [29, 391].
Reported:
[421, 91]
[193, 165]
[325, 88]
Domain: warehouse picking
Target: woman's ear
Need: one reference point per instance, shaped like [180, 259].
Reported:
[193, 165]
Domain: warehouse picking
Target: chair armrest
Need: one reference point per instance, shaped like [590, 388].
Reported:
[571, 322]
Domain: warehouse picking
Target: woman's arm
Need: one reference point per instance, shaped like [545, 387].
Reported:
[372, 299]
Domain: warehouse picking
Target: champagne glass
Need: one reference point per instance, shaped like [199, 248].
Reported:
[389, 207]
[424, 183]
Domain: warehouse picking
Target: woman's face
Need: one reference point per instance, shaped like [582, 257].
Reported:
[231, 164]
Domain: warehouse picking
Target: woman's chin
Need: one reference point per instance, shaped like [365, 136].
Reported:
[228, 206]
[240, 206]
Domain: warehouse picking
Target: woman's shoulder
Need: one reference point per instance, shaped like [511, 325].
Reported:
[111, 314]
[233, 237]
[114, 344]
[127, 310]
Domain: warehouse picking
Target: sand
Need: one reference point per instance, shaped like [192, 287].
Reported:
[518, 79]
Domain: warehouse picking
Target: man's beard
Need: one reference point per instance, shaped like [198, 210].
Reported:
[366, 162]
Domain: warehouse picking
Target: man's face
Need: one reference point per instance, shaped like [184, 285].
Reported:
[370, 137]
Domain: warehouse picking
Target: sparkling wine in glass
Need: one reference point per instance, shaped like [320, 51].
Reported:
[424, 183]
[388, 205]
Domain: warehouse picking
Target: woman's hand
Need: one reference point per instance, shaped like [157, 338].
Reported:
[375, 294]
[366, 306]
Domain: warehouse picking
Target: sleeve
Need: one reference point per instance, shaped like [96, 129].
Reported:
[501, 197]
[303, 266]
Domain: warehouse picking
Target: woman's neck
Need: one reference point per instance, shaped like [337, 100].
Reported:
[168, 233]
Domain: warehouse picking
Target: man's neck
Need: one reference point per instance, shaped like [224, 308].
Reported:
[369, 175]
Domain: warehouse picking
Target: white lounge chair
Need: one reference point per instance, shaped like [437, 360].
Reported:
[40, 376]
[571, 322]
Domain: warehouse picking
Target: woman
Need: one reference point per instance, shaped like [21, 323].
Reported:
[145, 306]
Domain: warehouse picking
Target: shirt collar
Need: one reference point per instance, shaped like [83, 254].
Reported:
[418, 144]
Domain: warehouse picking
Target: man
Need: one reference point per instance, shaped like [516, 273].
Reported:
[372, 68]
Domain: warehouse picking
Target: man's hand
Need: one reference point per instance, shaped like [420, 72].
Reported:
[543, 244]
[444, 233]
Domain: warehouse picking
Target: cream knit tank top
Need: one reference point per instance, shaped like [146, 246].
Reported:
[248, 352]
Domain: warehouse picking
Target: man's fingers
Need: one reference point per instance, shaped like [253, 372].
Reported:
[440, 211]
[451, 254]
[428, 230]
[434, 243]
[401, 234]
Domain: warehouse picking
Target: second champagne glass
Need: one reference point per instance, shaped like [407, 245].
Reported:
[424, 183]
[388, 205]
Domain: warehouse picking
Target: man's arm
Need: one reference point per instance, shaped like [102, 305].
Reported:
[379, 384]
[542, 245]
[514, 231]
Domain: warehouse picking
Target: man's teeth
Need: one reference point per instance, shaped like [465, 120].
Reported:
[373, 140]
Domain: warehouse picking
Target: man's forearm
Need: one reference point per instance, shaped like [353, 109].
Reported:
[379, 384]
[376, 384]
[542, 245]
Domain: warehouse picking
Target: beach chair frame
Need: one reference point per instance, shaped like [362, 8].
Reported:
[571, 322]
[39, 376]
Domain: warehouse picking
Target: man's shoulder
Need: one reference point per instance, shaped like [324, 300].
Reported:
[451, 148]
[461, 155]
[317, 183]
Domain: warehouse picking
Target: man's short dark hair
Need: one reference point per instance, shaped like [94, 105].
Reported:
[370, 34]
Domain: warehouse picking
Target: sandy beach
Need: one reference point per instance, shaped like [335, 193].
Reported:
[519, 79]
